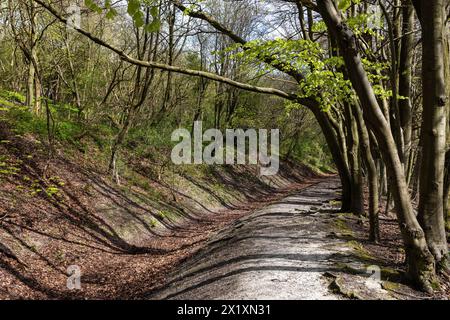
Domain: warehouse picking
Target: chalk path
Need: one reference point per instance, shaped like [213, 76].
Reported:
[278, 252]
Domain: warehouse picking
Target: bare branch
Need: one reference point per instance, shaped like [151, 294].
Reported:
[156, 65]
[218, 26]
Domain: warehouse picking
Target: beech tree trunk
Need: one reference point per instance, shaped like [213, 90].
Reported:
[447, 154]
[357, 199]
[420, 262]
[431, 211]
[30, 86]
[404, 87]
[336, 153]
[447, 190]
[374, 224]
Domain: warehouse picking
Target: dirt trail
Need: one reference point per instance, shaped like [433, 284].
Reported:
[279, 252]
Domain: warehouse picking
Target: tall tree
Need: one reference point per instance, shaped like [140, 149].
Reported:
[405, 78]
[420, 261]
[431, 214]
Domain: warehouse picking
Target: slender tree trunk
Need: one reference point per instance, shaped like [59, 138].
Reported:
[336, 153]
[310, 23]
[404, 88]
[415, 180]
[447, 190]
[170, 58]
[447, 154]
[374, 224]
[34, 59]
[393, 32]
[382, 178]
[33, 96]
[30, 86]
[37, 92]
[301, 19]
[118, 142]
[75, 88]
[357, 197]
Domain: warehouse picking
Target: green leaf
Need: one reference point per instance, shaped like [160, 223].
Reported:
[93, 6]
[154, 11]
[112, 13]
[138, 18]
[154, 26]
[133, 7]
[344, 4]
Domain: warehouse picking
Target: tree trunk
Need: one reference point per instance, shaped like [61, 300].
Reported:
[170, 59]
[404, 88]
[357, 196]
[420, 261]
[336, 153]
[447, 190]
[382, 178]
[374, 224]
[37, 88]
[393, 32]
[430, 213]
[447, 154]
[30, 86]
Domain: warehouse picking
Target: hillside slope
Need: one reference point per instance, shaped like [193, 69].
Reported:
[62, 209]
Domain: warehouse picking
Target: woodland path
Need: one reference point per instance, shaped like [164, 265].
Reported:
[278, 252]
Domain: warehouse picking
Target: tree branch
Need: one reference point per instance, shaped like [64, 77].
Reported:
[214, 23]
[218, 26]
[156, 65]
